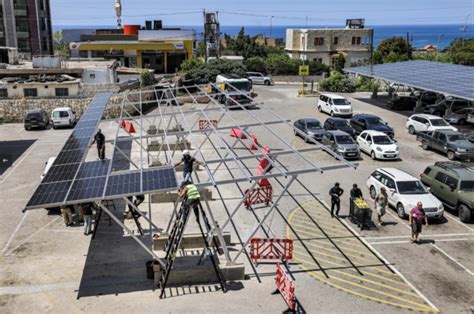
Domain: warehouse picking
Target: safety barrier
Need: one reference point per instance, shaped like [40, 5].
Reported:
[237, 133]
[254, 145]
[272, 248]
[207, 124]
[128, 126]
[286, 287]
[259, 195]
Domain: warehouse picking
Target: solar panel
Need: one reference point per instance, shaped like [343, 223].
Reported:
[159, 179]
[49, 194]
[124, 184]
[86, 189]
[61, 173]
[448, 79]
[69, 157]
[93, 169]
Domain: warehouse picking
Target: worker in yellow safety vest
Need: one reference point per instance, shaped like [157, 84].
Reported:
[192, 196]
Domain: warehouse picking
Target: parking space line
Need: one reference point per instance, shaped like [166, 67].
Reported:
[14, 232]
[409, 242]
[307, 225]
[456, 220]
[431, 235]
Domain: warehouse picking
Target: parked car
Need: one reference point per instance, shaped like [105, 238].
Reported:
[453, 184]
[342, 143]
[63, 116]
[378, 145]
[404, 191]
[428, 98]
[36, 118]
[259, 78]
[461, 116]
[402, 103]
[453, 144]
[427, 122]
[455, 104]
[470, 137]
[311, 128]
[335, 105]
[363, 121]
[341, 124]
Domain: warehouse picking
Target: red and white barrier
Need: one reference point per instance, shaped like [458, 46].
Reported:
[264, 248]
[286, 287]
[207, 124]
[260, 195]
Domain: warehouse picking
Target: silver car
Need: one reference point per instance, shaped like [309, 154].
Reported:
[342, 143]
[460, 117]
[259, 78]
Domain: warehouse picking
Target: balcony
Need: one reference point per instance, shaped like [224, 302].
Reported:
[20, 10]
[22, 32]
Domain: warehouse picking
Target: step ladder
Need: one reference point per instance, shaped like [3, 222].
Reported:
[98, 215]
[174, 241]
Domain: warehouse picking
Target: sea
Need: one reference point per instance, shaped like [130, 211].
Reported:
[418, 35]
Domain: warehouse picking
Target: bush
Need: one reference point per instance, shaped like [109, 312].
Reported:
[256, 64]
[316, 68]
[367, 84]
[338, 82]
[191, 64]
[282, 64]
[207, 72]
[147, 78]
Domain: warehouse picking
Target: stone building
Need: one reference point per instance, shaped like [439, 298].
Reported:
[325, 45]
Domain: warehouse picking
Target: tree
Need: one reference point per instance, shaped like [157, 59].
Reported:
[377, 57]
[147, 78]
[282, 64]
[60, 47]
[207, 72]
[256, 64]
[338, 82]
[340, 63]
[191, 64]
[399, 49]
[461, 51]
[244, 45]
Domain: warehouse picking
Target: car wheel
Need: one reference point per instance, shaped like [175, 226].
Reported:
[373, 192]
[27, 128]
[411, 129]
[401, 211]
[424, 145]
[451, 155]
[54, 127]
[267, 82]
[462, 122]
[372, 155]
[464, 213]
[332, 113]
[320, 109]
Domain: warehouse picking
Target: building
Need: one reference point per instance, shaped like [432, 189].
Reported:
[153, 47]
[26, 25]
[325, 45]
[270, 42]
[44, 86]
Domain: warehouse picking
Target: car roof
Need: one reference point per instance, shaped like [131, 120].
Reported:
[338, 132]
[35, 110]
[426, 116]
[365, 115]
[335, 119]
[374, 132]
[62, 109]
[397, 174]
[462, 170]
[334, 96]
[309, 120]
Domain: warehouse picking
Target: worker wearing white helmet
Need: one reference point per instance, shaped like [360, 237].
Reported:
[188, 162]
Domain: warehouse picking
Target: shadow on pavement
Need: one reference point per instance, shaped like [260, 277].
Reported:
[10, 151]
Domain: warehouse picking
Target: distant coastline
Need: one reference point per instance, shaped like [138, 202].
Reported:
[419, 35]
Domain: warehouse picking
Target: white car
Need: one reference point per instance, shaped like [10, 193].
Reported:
[259, 78]
[378, 145]
[335, 105]
[427, 122]
[404, 191]
[63, 116]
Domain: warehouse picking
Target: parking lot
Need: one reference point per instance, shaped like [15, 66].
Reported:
[47, 267]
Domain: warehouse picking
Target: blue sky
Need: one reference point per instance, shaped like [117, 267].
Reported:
[258, 12]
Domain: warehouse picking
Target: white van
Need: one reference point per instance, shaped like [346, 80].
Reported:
[335, 105]
[63, 116]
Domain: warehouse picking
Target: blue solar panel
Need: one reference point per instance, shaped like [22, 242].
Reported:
[93, 169]
[444, 78]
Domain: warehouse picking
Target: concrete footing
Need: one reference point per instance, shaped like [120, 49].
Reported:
[189, 241]
[155, 146]
[171, 197]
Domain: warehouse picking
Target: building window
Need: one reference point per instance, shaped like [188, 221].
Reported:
[318, 60]
[356, 40]
[3, 93]
[333, 61]
[318, 41]
[336, 40]
[92, 76]
[366, 40]
[62, 92]
[30, 92]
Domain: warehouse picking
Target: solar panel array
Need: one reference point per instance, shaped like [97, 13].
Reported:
[448, 79]
[70, 180]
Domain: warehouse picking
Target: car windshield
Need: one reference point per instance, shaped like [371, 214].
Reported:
[344, 139]
[374, 121]
[341, 123]
[467, 186]
[382, 140]
[36, 115]
[457, 137]
[340, 102]
[438, 122]
[411, 187]
[313, 125]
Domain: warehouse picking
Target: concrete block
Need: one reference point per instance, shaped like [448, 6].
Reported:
[171, 197]
[189, 241]
[156, 146]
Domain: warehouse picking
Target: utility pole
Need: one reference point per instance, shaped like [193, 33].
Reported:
[464, 27]
[437, 47]
[271, 25]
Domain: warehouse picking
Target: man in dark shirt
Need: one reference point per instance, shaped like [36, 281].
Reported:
[355, 193]
[188, 162]
[335, 193]
[99, 138]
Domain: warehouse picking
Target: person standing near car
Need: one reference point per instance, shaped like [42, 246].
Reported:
[380, 205]
[99, 138]
[86, 210]
[335, 193]
[416, 219]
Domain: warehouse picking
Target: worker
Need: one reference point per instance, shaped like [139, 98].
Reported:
[188, 162]
[355, 192]
[99, 138]
[192, 196]
[67, 215]
[335, 193]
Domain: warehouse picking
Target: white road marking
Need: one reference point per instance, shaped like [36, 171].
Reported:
[399, 242]
[431, 235]
[456, 220]
[453, 260]
[14, 232]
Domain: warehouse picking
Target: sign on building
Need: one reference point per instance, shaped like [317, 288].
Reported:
[355, 23]
[304, 70]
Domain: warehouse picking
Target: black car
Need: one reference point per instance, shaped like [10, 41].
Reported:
[428, 98]
[338, 124]
[362, 122]
[402, 103]
[439, 109]
[36, 118]
[311, 128]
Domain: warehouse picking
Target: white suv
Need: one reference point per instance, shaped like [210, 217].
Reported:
[63, 116]
[404, 191]
[378, 145]
[427, 122]
[335, 105]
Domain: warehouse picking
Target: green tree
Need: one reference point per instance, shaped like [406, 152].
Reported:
[60, 47]
[377, 57]
[207, 72]
[338, 82]
[147, 78]
[316, 68]
[191, 64]
[244, 45]
[396, 47]
[256, 64]
[282, 64]
[461, 51]
[340, 63]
